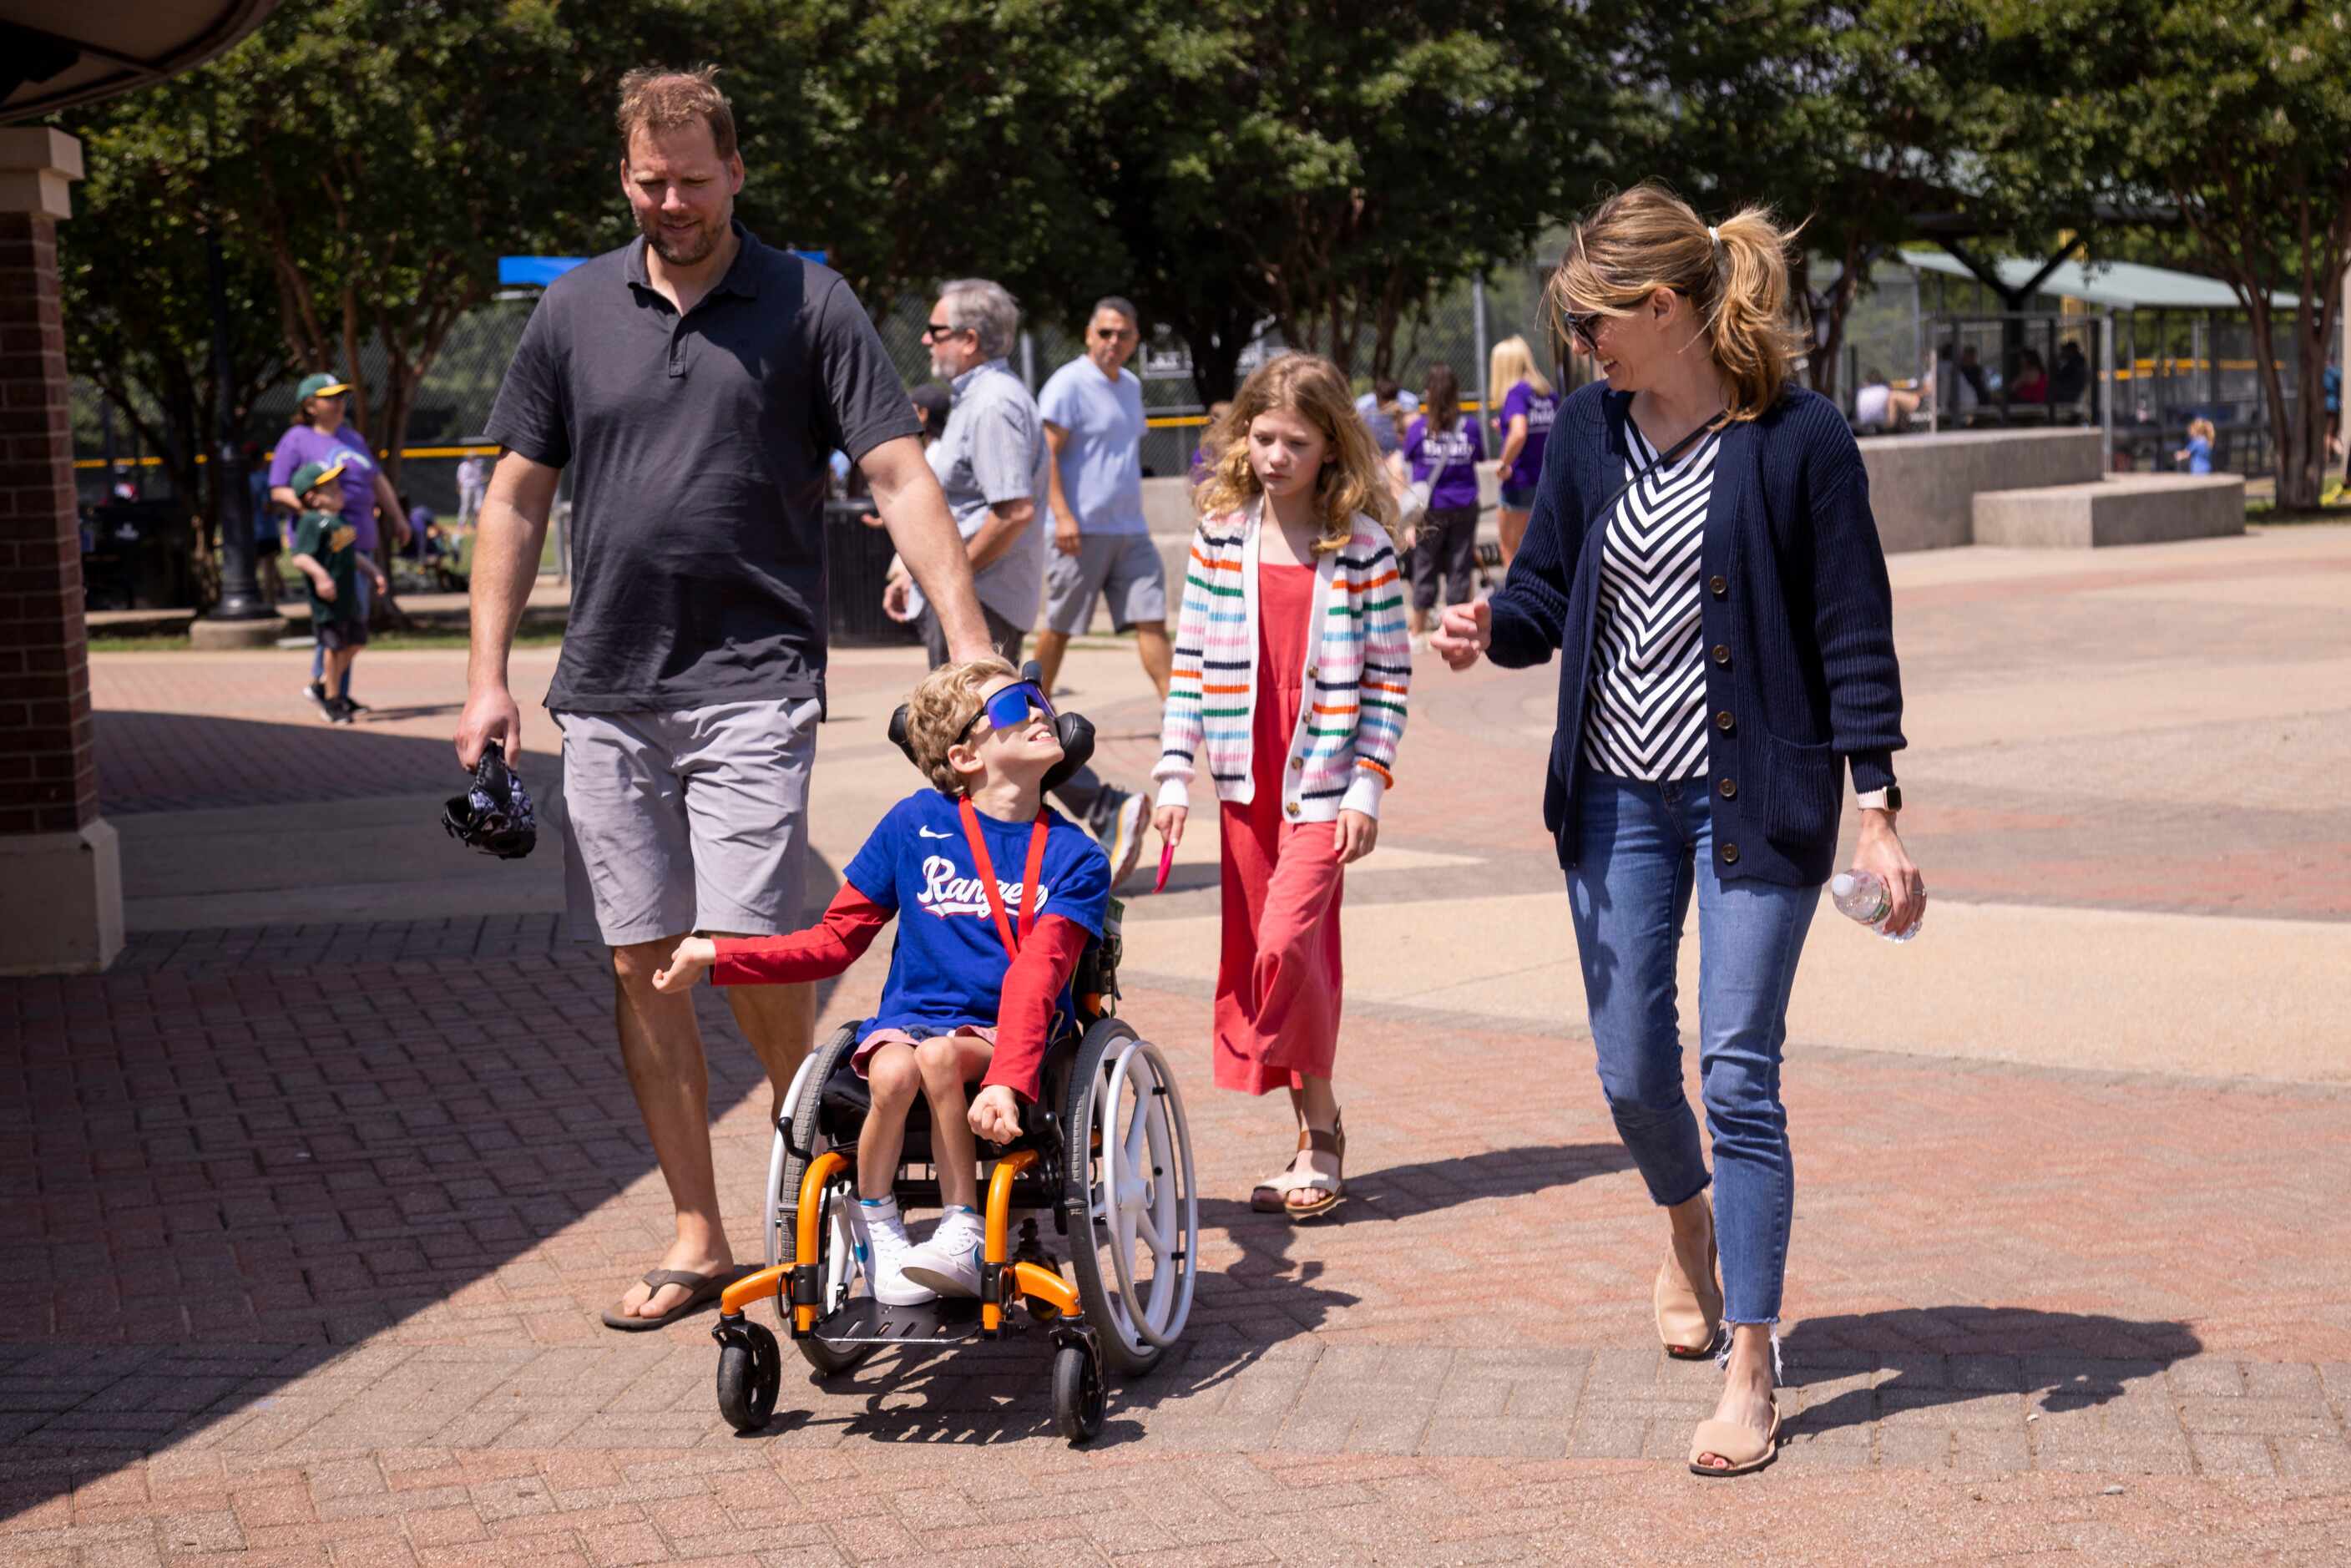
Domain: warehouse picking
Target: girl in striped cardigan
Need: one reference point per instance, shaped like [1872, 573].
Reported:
[1292, 662]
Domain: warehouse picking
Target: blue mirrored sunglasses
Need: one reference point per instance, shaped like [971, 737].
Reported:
[1011, 706]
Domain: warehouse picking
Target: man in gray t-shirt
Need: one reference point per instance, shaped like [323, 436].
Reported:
[695, 383]
[1102, 544]
[990, 460]
[993, 462]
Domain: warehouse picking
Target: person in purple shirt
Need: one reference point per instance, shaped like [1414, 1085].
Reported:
[319, 434]
[1442, 451]
[1523, 426]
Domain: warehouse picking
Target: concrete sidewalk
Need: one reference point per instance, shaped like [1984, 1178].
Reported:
[320, 1191]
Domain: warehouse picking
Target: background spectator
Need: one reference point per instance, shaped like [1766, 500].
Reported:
[321, 434]
[1529, 407]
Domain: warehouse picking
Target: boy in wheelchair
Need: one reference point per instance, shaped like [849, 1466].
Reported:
[969, 994]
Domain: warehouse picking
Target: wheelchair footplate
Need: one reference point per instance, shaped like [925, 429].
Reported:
[1109, 1164]
[862, 1320]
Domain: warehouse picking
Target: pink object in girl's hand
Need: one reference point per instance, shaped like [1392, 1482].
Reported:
[1167, 859]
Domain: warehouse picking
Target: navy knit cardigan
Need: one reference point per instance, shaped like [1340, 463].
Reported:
[1797, 616]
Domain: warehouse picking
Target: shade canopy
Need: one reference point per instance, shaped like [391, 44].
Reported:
[2118, 286]
[57, 53]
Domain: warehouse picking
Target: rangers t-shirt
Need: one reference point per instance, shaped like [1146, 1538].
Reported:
[1449, 458]
[948, 964]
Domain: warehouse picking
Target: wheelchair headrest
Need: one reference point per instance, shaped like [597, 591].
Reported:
[1074, 730]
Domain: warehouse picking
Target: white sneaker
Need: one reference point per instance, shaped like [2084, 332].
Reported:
[884, 1256]
[1124, 840]
[949, 1262]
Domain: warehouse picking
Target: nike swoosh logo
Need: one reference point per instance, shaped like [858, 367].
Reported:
[928, 834]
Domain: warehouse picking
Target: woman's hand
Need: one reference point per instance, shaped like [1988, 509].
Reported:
[1169, 822]
[1881, 851]
[1463, 633]
[694, 956]
[1356, 837]
[995, 1114]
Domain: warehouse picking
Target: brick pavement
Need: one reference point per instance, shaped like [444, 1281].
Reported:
[308, 1223]
[313, 1252]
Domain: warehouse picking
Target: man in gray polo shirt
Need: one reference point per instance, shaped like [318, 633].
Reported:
[695, 383]
[992, 461]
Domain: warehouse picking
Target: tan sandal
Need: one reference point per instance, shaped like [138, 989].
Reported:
[1747, 1449]
[1266, 1197]
[1689, 1318]
[1276, 1194]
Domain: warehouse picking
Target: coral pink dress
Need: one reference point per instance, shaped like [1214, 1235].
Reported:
[1278, 980]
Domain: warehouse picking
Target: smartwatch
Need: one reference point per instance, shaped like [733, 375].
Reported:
[1886, 800]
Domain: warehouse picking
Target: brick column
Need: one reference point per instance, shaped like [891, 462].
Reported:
[60, 874]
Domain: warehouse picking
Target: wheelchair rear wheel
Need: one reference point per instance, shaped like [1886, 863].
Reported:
[1134, 1237]
[836, 1247]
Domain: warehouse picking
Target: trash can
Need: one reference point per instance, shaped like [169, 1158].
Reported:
[857, 563]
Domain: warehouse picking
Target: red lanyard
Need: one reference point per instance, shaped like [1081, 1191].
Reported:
[986, 869]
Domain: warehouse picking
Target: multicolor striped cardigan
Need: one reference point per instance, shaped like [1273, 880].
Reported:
[1358, 670]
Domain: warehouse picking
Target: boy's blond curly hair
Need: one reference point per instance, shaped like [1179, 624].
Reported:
[942, 708]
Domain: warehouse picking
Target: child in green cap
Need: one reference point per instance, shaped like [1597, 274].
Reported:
[326, 552]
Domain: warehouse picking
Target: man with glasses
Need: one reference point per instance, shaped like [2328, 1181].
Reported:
[994, 462]
[1095, 423]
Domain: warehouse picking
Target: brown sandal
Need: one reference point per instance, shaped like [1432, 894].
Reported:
[700, 1290]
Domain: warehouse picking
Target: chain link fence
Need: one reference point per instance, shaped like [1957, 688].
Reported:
[2172, 366]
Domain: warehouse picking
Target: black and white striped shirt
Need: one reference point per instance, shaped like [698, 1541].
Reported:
[1646, 714]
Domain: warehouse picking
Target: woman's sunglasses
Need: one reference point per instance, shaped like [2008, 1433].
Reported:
[1587, 329]
[1011, 706]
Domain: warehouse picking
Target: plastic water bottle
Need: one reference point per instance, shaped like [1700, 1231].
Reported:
[1861, 895]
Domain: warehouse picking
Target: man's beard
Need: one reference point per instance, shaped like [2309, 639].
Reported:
[941, 371]
[697, 248]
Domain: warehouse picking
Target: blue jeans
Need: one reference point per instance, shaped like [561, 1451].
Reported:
[1641, 850]
[366, 586]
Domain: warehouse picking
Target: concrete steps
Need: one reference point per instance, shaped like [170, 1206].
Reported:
[2120, 509]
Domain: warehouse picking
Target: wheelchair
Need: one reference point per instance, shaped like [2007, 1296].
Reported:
[1105, 1153]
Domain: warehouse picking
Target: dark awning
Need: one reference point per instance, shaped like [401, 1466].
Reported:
[54, 52]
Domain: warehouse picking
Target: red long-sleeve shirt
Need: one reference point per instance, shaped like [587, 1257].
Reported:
[1024, 1016]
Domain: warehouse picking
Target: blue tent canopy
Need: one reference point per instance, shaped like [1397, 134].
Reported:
[534, 271]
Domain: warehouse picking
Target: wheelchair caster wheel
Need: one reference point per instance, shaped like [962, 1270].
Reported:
[750, 1372]
[1077, 1393]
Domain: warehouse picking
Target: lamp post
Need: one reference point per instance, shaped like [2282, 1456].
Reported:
[241, 618]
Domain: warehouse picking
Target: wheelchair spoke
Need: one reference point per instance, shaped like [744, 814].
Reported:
[1138, 1132]
[1149, 1231]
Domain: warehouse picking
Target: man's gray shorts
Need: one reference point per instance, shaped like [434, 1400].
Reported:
[687, 819]
[1125, 566]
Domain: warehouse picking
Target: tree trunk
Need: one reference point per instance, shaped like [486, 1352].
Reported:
[1215, 338]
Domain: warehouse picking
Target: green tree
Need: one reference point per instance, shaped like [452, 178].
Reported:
[1843, 118]
[376, 157]
[2235, 116]
[1228, 163]
[920, 140]
[1327, 168]
[138, 314]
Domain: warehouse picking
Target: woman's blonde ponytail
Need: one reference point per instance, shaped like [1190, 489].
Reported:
[1747, 319]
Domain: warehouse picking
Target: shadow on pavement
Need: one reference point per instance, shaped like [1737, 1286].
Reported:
[1946, 1355]
[1401, 1192]
[249, 1159]
[181, 761]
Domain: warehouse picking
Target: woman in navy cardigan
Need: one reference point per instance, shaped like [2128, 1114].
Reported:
[1702, 556]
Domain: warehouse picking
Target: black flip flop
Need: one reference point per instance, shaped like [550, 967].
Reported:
[700, 1288]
